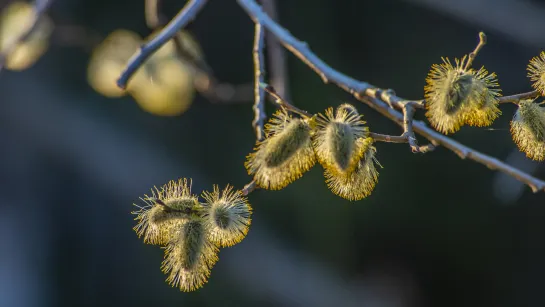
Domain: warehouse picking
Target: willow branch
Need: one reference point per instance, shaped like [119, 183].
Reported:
[473, 54]
[40, 7]
[259, 72]
[187, 14]
[518, 97]
[363, 91]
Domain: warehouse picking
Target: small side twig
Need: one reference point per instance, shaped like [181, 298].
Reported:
[408, 131]
[249, 188]
[40, 7]
[473, 54]
[283, 102]
[518, 97]
[187, 14]
[388, 138]
[259, 93]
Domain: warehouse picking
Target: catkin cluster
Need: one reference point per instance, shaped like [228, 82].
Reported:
[338, 140]
[192, 231]
[457, 95]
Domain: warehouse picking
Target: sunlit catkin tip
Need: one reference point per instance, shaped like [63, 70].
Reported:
[189, 257]
[456, 96]
[528, 129]
[359, 183]
[285, 155]
[165, 211]
[227, 216]
[336, 136]
[536, 72]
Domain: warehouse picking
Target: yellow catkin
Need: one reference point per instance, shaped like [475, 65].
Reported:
[359, 183]
[189, 256]
[536, 72]
[528, 129]
[227, 216]
[456, 96]
[285, 154]
[337, 139]
[155, 223]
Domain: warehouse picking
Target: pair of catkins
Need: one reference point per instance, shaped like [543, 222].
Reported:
[458, 95]
[190, 231]
[339, 141]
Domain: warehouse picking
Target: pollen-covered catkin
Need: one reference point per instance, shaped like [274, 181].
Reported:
[528, 129]
[227, 216]
[189, 256]
[156, 223]
[285, 154]
[456, 95]
[536, 72]
[360, 183]
[337, 139]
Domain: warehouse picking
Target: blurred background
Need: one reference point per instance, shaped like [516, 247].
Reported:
[437, 231]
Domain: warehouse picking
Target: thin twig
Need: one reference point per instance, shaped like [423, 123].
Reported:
[259, 72]
[388, 138]
[280, 101]
[277, 61]
[249, 188]
[518, 97]
[40, 7]
[473, 54]
[408, 131]
[187, 14]
[359, 90]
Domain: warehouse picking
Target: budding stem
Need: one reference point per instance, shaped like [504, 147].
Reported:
[473, 54]
[282, 102]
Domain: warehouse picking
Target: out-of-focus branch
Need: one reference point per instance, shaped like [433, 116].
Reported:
[40, 7]
[277, 61]
[187, 14]
[365, 92]
[259, 72]
[205, 82]
[154, 19]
